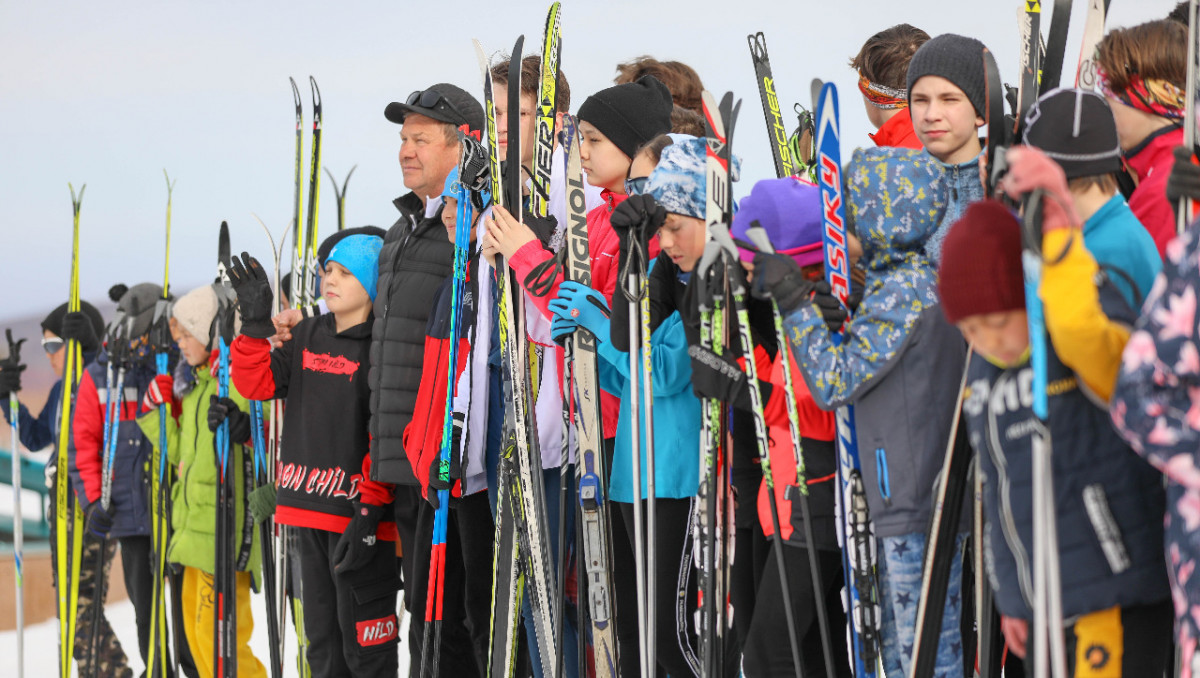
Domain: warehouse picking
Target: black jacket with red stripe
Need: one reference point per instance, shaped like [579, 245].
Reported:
[323, 462]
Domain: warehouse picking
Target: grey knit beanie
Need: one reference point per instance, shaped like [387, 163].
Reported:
[956, 58]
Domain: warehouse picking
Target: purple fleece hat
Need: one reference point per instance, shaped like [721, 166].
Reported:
[790, 211]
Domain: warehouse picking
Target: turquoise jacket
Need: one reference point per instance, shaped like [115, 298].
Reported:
[676, 416]
[1124, 249]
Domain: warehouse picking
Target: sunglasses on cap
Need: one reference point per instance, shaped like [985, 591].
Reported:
[52, 345]
[430, 98]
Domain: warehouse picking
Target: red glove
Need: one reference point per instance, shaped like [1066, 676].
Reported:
[160, 392]
[1030, 169]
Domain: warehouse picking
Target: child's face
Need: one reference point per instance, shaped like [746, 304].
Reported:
[58, 357]
[682, 238]
[190, 348]
[606, 165]
[944, 120]
[450, 219]
[500, 101]
[1001, 337]
[343, 292]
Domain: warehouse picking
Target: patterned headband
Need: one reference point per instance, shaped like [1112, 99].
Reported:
[882, 96]
[1153, 96]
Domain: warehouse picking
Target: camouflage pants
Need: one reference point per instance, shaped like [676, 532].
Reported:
[108, 658]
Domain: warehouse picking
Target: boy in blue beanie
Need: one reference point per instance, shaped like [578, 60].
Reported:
[337, 514]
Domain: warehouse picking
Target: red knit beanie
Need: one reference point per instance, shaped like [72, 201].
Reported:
[981, 268]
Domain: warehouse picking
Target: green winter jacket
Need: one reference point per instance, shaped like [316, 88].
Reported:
[191, 450]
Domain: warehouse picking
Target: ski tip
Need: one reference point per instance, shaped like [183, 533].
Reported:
[316, 92]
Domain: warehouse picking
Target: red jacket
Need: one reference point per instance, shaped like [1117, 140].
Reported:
[897, 132]
[1151, 163]
[817, 431]
[603, 252]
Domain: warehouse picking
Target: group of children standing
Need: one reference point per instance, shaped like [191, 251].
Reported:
[938, 299]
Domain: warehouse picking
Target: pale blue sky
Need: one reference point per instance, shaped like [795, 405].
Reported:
[109, 94]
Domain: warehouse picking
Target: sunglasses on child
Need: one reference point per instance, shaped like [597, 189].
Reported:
[52, 345]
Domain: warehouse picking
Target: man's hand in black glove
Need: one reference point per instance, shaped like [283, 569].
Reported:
[639, 216]
[253, 290]
[222, 409]
[436, 481]
[78, 326]
[99, 520]
[1184, 180]
[779, 277]
[719, 377]
[357, 544]
[830, 308]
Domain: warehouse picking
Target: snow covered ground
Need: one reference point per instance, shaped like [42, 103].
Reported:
[41, 643]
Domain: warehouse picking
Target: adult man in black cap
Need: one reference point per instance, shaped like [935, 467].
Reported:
[415, 259]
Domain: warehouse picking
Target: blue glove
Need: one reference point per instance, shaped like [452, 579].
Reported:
[583, 305]
[561, 328]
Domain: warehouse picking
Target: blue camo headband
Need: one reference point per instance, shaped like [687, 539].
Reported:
[677, 182]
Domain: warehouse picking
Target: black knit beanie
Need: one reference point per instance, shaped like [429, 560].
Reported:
[53, 322]
[956, 58]
[630, 114]
[1077, 129]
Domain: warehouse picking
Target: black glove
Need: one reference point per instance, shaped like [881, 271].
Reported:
[542, 227]
[639, 216]
[11, 369]
[778, 277]
[357, 543]
[78, 326]
[10, 378]
[99, 520]
[222, 409]
[1184, 180]
[249, 281]
[436, 482]
[719, 377]
[831, 309]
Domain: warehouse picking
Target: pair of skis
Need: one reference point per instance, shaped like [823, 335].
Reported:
[785, 166]
[714, 499]
[68, 517]
[160, 481]
[857, 532]
[521, 545]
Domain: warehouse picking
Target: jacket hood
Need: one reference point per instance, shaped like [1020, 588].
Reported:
[896, 198]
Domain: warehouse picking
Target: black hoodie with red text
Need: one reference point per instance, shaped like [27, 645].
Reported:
[323, 463]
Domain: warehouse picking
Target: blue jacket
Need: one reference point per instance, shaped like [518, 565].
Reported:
[965, 186]
[37, 433]
[130, 470]
[1109, 503]
[899, 362]
[1124, 249]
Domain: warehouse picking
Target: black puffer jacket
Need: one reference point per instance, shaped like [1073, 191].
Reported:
[415, 259]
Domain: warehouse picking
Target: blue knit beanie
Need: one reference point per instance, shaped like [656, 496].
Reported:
[360, 255]
[677, 182]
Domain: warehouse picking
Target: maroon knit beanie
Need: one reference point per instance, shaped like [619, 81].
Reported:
[981, 269]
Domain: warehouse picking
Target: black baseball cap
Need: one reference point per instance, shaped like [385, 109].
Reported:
[443, 102]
